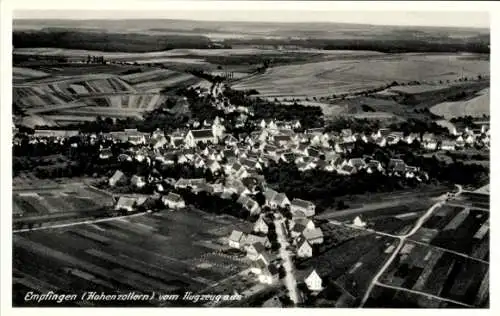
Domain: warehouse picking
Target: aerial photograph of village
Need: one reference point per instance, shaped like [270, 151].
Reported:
[195, 162]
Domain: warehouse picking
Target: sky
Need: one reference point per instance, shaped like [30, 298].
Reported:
[408, 18]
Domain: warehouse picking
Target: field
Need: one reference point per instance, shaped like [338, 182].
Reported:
[47, 93]
[349, 75]
[167, 252]
[437, 272]
[52, 197]
[19, 73]
[86, 94]
[475, 107]
[350, 261]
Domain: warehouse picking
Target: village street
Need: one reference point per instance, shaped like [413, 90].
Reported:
[290, 281]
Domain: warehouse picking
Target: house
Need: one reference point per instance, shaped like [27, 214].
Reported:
[117, 178]
[236, 239]
[258, 266]
[106, 153]
[255, 250]
[304, 249]
[138, 181]
[430, 145]
[261, 225]
[383, 132]
[273, 302]
[297, 230]
[252, 239]
[357, 163]
[230, 140]
[252, 206]
[194, 137]
[448, 145]
[313, 236]
[213, 166]
[411, 172]
[358, 222]
[393, 163]
[409, 139]
[373, 166]
[313, 281]
[306, 207]
[198, 162]
[173, 201]
[280, 200]
[306, 222]
[269, 275]
[346, 170]
[250, 164]
[269, 195]
[126, 203]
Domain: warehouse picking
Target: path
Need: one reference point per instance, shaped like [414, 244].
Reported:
[402, 240]
[290, 281]
[100, 220]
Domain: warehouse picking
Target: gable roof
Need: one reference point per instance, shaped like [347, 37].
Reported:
[202, 133]
[312, 234]
[236, 236]
[174, 197]
[301, 203]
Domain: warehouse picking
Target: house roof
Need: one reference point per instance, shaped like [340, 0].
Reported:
[298, 228]
[347, 168]
[273, 302]
[311, 234]
[301, 241]
[125, 202]
[279, 198]
[202, 133]
[174, 197]
[236, 235]
[269, 194]
[259, 264]
[301, 203]
[258, 246]
[117, 175]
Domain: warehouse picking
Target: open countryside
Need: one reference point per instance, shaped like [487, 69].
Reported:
[253, 164]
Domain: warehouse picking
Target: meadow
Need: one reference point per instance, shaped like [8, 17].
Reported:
[357, 74]
[475, 107]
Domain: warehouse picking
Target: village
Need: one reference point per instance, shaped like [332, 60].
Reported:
[230, 167]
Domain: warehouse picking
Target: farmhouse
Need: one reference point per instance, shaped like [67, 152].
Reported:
[258, 266]
[117, 178]
[448, 145]
[280, 200]
[138, 181]
[126, 203]
[262, 225]
[173, 201]
[236, 239]
[273, 302]
[346, 170]
[255, 250]
[313, 281]
[269, 275]
[313, 236]
[306, 207]
[304, 249]
[305, 222]
[194, 137]
[252, 239]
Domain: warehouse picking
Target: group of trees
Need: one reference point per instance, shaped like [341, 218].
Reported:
[324, 188]
[214, 204]
[309, 116]
[109, 42]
